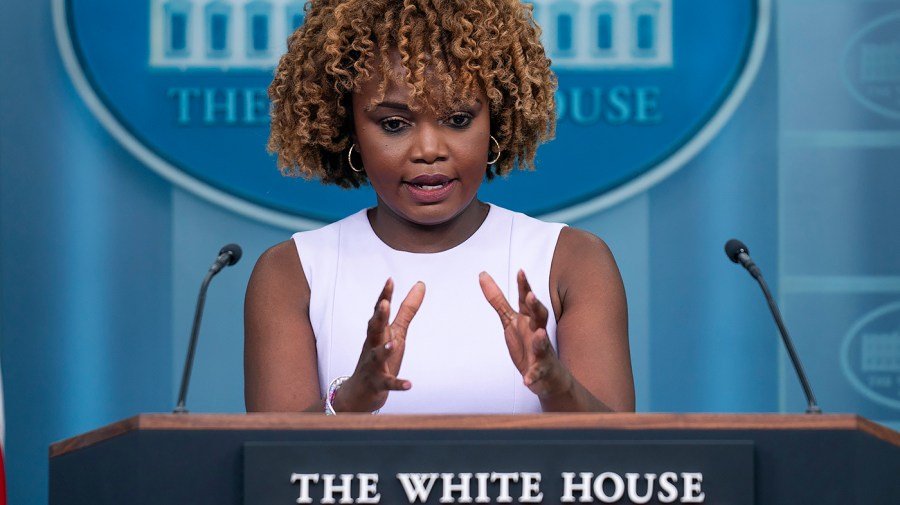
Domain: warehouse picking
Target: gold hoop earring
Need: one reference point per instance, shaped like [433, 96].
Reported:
[350, 159]
[499, 151]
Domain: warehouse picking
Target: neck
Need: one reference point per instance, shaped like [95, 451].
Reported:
[404, 235]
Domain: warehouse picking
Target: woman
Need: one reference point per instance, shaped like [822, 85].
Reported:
[424, 100]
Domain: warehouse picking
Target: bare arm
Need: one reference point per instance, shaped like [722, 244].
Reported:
[592, 330]
[280, 364]
[592, 372]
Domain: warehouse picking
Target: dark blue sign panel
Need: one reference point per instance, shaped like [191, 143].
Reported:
[644, 84]
[545, 472]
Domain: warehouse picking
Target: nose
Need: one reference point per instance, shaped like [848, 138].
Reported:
[429, 145]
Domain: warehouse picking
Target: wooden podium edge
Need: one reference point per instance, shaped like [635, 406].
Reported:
[615, 421]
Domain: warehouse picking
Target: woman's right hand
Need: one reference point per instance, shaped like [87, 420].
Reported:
[382, 354]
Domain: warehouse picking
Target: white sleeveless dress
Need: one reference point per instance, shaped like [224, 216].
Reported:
[456, 356]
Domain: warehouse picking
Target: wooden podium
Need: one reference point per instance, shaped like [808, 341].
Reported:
[766, 459]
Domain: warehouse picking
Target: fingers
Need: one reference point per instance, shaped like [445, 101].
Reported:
[524, 289]
[541, 346]
[530, 305]
[394, 384]
[534, 375]
[543, 358]
[380, 356]
[495, 297]
[537, 311]
[386, 292]
[409, 307]
[376, 331]
[379, 362]
[388, 342]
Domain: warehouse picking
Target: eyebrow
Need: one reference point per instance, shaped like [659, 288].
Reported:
[402, 106]
[392, 105]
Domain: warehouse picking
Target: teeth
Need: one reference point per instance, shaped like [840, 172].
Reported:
[426, 186]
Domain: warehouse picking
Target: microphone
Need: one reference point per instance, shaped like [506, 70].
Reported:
[738, 253]
[228, 255]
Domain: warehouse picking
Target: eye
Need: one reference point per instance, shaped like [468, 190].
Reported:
[459, 120]
[393, 124]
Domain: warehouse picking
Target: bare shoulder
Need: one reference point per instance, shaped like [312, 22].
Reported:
[582, 260]
[581, 242]
[279, 272]
[281, 257]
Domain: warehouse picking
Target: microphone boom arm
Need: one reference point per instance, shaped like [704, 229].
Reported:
[812, 407]
[192, 345]
[738, 253]
[228, 255]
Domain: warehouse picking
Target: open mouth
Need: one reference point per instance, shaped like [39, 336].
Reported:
[430, 182]
[431, 188]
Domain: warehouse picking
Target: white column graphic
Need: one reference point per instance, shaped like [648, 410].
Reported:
[221, 34]
[252, 34]
[606, 34]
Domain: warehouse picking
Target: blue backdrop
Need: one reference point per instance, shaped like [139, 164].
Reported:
[101, 257]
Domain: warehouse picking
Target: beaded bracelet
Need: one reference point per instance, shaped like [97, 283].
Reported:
[332, 390]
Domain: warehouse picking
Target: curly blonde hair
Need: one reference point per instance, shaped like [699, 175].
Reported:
[494, 44]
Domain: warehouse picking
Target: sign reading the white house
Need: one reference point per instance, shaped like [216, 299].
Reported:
[643, 85]
[545, 472]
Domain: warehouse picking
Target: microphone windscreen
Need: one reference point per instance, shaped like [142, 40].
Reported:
[235, 251]
[733, 248]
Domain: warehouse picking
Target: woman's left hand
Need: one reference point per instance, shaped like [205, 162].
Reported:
[527, 339]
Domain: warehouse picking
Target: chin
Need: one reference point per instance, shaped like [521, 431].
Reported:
[432, 215]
